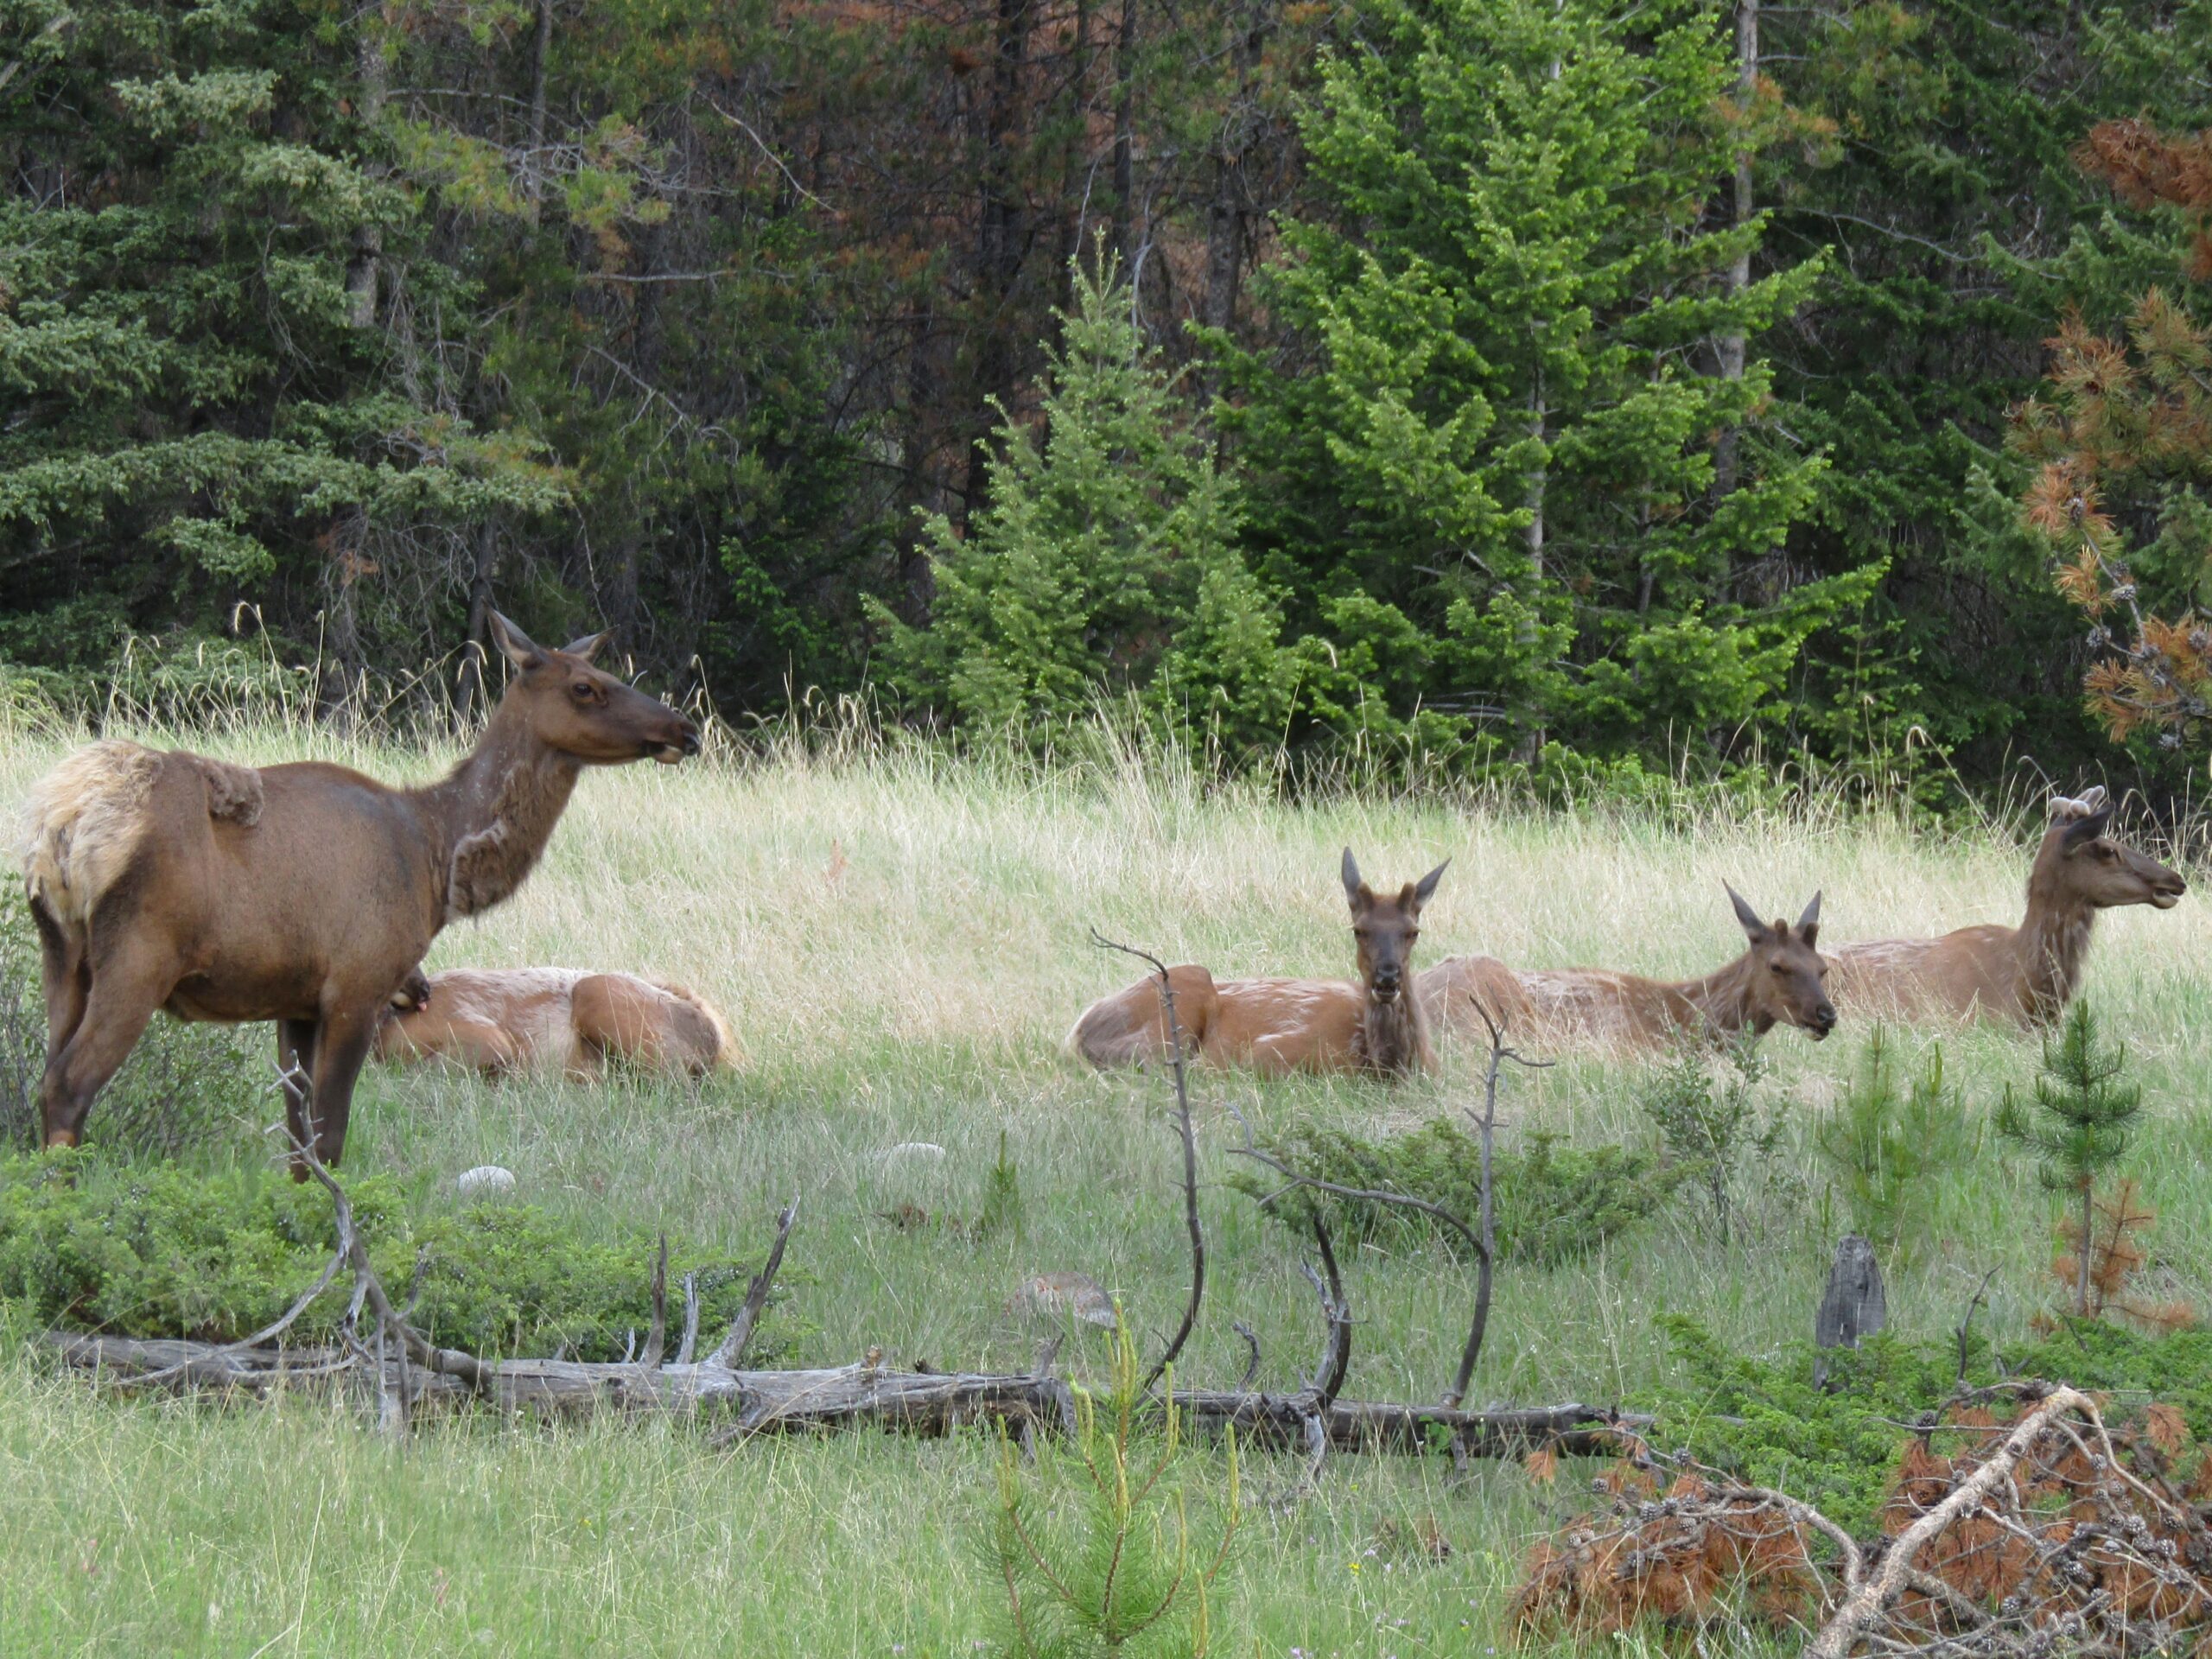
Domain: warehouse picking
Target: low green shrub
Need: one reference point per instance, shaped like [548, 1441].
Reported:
[1835, 1447]
[1711, 1126]
[92, 1243]
[1888, 1139]
[1554, 1202]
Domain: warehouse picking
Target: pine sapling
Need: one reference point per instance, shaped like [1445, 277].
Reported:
[2077, 1125]
[1111, 1563]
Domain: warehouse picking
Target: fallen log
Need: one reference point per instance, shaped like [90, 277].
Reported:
[916, 1401]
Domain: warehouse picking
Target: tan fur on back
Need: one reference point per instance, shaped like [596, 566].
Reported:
[725, 1045]
[534, 1013]
[83, 822]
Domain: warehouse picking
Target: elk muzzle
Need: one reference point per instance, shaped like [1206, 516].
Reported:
[1822, 1022]
[669, 751]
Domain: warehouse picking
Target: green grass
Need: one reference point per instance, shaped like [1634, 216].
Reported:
[920, 994]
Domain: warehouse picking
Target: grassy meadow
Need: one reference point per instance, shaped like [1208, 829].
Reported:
[900, 942]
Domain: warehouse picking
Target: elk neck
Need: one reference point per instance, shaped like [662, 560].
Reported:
[491, 817]
[1393, 1036]
[1723, 999]
[2053, 941]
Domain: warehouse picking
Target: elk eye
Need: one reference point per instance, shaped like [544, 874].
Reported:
[583, 690]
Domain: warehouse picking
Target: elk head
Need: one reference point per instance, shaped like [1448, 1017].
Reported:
[1787, 984]
[1386, 929]
[583, 712]
[2089, 867]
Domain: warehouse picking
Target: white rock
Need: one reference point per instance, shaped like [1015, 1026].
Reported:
[485, 1178]
[915, 1152]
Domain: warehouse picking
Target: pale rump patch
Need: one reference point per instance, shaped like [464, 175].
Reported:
[86, 818]
[82, 822]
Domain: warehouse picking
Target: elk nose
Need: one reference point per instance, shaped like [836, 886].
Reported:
[1824, 1018]
[689, 740]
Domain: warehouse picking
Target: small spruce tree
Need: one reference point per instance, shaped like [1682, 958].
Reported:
[1104, 562]
[1113, 1566]
[2078, 1123]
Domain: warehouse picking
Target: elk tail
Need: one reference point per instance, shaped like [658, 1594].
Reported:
[83, 822]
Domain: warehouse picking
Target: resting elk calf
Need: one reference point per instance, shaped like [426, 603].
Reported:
[1777, 981]
[2025, 974]
[1374, 1024]
[302, 894]
[504, 1019]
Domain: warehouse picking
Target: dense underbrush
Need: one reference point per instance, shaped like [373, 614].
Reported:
[94, 1243]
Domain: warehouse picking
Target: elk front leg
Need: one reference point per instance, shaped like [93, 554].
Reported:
[296, 1047]
[341, 1045]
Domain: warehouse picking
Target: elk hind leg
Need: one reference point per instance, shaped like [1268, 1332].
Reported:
[127, 983]
[66, 974]
[1130, 1027]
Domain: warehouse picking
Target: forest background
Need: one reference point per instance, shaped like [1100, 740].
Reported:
[1557, 388]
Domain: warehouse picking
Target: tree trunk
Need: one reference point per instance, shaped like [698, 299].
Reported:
[1075, 194]
[475, 693]
[1732, 347]
[533, 176]
[999, 248]
[1125, 107]
[1854, 1306]
[361, 268]
[2081, 1255]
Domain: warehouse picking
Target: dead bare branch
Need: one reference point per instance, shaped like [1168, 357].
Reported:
[1179, 1065]
[756, 1294]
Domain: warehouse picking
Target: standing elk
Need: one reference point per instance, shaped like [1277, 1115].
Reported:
[302, 894]
[1276, 1026]
[504, 1019]
[1779, 981]
[2026, 974]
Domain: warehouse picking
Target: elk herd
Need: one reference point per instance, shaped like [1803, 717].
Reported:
[307, 895]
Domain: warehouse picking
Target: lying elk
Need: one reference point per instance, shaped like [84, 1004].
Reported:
[504, 1019]
[302, 894]
[1286, 1025]
[1779, 981]
[2027, 974]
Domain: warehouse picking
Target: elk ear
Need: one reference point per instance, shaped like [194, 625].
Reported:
[1426, 888]
[517, 646]
[1809, 925]
[1755, 930]
[587, 647]
[2083, 831]
[1354, 887]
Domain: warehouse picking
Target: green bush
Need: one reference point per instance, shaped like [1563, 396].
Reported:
[1554, 1202]
[1835, 1447]
[184, 1086]
[1883, 1143]
[89, 1243]
[1710, 1129]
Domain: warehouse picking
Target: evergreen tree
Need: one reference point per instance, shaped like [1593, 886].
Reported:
[1489, 476]
[2079, 1124]
[1104, 562]
[206, 278]
[1933, 165]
